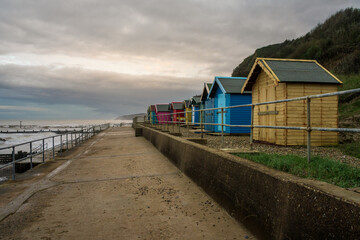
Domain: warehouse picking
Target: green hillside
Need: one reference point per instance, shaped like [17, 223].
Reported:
[335, 44]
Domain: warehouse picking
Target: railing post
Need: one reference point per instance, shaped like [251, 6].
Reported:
[252, 127]
[167, 125]
[13, 162]
[173, 124]
[222, 127]
[43, 150]
[53, 150]
[308, 100]
[201, 124]
[31, 153]
[71, 138]
[67, 141]
[61, 144]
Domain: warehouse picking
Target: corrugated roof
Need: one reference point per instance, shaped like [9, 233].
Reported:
[162, 107]
[177, 105]
[300, 71]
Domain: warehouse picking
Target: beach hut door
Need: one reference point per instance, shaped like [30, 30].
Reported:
[221, 103]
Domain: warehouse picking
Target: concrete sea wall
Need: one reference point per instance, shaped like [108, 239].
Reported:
[272, 204]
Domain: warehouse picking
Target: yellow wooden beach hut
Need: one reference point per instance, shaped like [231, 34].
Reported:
[188, 115]
[276, 79]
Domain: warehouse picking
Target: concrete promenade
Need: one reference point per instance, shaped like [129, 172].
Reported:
[114, 186]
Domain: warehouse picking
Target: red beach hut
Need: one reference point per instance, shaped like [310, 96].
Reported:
[177, 109]
[162, 113]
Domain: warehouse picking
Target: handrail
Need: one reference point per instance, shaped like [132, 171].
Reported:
[83, 135]
[308, 128]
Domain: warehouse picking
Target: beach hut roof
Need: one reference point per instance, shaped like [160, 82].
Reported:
[290, 71]
[196, 100]
[187, 103]
[162, 107]
[228, 85]
[206, 90]
[177, 105]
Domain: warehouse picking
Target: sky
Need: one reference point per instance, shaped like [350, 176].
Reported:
[99, 59]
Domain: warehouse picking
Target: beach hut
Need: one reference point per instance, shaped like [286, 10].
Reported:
[226, 92]
[148, 113]
[187, 105]
[208, 103]
[162, 113]
[195, 105]
[152, 117]
[276, 79]
[177, 109]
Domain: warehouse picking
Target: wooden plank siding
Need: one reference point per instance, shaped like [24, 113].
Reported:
[324, 112]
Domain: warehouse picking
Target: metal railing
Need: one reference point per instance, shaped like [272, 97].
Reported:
[66, 141]
[308, 127]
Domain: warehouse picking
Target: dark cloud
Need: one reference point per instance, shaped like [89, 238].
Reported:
[213, 36]
[190, 29]
[103, 91]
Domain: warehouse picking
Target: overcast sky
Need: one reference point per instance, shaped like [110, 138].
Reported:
[98, 59]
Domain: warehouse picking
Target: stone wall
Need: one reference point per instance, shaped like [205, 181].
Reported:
[272, 204]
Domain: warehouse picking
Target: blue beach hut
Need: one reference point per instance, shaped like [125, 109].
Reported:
[226, 92]
[153, 119]
[195, 104]
[208, 103]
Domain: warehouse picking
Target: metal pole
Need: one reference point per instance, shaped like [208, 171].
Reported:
[31, 163]
[71, 137]
[188, 128]
[53, 142]
[201, 123]
[43, 150]
[67, 142]
[82, 134]
[13, 162]
[173, 124]
[61, 144]
[252, 127]
[308, 100]
[222, 127]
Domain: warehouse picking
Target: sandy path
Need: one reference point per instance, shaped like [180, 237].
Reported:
[121, 188]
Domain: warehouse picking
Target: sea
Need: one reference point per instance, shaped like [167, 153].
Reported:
[7, 139]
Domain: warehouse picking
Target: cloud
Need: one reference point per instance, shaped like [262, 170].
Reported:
[114, 56]
[103, 91]
[215, 32]
[21, 108]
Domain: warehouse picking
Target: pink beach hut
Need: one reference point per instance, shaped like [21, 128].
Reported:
[162, 113]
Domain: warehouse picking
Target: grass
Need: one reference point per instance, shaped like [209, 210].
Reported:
[322, 169]
[349, 103]
[351, 149]
[349, 81]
